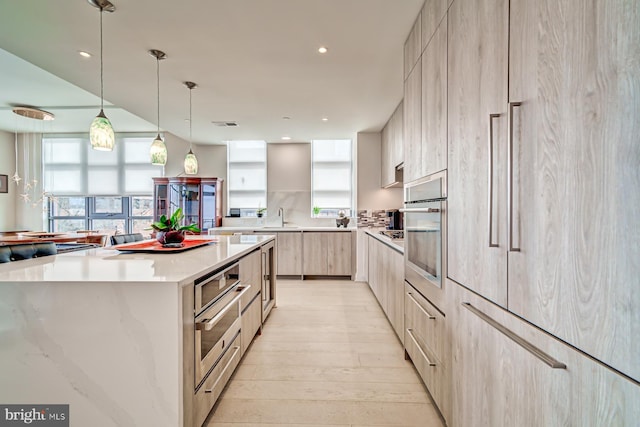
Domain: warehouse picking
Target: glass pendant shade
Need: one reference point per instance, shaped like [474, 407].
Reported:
[101, 133]
[190, 163]
[158, 152]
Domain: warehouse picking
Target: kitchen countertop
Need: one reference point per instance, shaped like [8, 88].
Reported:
[397, 244]
[110, 265]
[277, 229]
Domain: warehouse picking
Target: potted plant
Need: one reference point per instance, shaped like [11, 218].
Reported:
[316, 210]
[260, 212]
[169, 230]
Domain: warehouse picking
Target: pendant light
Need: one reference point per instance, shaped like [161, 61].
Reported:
[101, 132]
[190, 160]
[158, 151]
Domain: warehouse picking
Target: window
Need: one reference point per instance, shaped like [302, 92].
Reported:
[110, 214]
[99, 190]
[72, 168]
[247, 176]
[331, 177]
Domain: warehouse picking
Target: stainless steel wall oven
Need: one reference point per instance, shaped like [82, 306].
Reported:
[425, 202]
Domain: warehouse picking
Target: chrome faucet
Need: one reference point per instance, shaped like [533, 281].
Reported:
[281, 215]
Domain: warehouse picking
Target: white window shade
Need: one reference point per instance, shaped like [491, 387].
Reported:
[71, 167]
[332, 176]
[247, 175]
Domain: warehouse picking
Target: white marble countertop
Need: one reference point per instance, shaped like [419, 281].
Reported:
[106, 265]
[397, 244]
[276, 229]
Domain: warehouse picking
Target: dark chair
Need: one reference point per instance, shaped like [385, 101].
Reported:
[20, 251]
[119, 239]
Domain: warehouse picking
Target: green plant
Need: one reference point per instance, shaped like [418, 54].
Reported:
[173, 223]
[316, 210]
[261, 211]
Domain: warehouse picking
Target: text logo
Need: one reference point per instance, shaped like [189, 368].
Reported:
[34, 415]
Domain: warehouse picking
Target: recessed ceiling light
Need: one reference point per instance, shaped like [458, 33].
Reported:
[84, 54]
[325, 119]
[286, 118]
[286, 138]
[322, 49]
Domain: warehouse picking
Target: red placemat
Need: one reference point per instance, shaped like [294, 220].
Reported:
[156, 247]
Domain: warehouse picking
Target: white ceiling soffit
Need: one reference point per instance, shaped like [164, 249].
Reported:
[255, 62]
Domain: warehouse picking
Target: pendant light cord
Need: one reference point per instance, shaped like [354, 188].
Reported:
[101, 67]
[158, 80]
[190, 122]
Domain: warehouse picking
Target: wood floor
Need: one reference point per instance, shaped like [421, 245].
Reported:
[327, 357]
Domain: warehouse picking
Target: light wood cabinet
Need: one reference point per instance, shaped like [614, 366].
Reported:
[432, 15]
[392, 148]
[413, 47]
[250, 322]
[250, 274]
[498, 382]
[574, 180]
[477, 102]
[434, 103]
[412, 122]
[289, 249]
[386, 280]
[327, 253]
[427, 343]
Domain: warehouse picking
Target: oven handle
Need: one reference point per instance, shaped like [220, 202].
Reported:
[420, 210]
[207, 325]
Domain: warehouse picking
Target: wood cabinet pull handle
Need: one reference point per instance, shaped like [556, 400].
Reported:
[512, 105]
[233, 356]
[490, 181]
[429, 362]
[548, 360]
[429, 316]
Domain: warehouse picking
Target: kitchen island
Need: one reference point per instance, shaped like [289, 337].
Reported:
[107, 332]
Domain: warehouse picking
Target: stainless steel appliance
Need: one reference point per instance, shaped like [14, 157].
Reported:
[217, 318]
[269, 274]
[395, 220]
[425, 231]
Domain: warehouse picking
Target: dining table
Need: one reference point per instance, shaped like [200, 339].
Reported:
[56, 237]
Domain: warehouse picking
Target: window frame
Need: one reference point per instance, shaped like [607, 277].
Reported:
[253, 210]
[333, 212]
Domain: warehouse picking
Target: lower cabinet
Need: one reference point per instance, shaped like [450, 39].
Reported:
[251, 322]
[386, 280]
[327, 253]
[427, 345]
[509, 373]
[289, 248]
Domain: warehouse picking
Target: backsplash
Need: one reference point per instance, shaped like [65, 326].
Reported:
[377, 218]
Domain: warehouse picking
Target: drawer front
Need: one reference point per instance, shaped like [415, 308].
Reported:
[213, 385]
[431, 369]
[251, 322]
[426, 322]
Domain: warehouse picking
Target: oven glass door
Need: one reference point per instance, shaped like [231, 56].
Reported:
[423, 240]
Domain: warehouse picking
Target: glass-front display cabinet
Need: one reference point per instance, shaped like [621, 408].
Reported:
[199, 198]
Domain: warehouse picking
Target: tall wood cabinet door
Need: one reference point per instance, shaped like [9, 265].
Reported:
[575, 91]
[386, 177]
[315, 253]
[290, 253]
[397, 149]
[477, 103]
[413, 46]
[434, 103]
[412, 119]
[339, 250]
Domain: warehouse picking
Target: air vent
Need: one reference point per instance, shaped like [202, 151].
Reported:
[225, 124]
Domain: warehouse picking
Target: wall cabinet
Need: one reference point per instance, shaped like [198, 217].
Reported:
[413, 47]
[199, 198]
[434, 103]
[433, 13]
[412, 119]
[392, 149]
[386, 280]
[499, 382]
[327, 253]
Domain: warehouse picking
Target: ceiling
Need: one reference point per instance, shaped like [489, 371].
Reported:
[255, 62]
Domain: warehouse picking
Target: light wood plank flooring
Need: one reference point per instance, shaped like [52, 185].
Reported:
[327, 357]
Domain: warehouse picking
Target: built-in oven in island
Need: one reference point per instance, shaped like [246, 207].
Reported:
[425, 231]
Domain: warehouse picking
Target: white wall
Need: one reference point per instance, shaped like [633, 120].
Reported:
[8, 167]
[370, 195]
